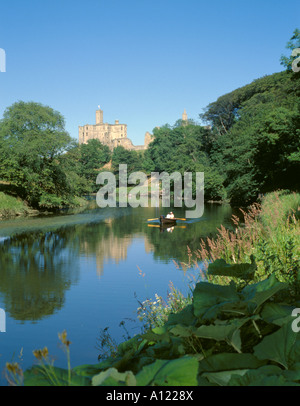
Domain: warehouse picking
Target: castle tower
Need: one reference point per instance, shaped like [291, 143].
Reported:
[184, 116]
[99, 116]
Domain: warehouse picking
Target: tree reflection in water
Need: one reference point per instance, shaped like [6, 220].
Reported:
[36, 271]
[38, 267]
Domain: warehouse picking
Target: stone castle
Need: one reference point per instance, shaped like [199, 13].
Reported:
[112, 135]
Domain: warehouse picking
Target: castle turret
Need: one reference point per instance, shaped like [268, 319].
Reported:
[99, 116]
[184, 116]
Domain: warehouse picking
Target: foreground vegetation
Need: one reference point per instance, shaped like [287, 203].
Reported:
[236, 328]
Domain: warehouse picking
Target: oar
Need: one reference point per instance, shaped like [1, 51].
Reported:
[170, 219]
[156, 225]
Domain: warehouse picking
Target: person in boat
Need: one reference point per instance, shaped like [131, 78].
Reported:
[170, 215]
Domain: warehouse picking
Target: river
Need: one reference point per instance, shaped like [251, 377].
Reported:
[85, 271]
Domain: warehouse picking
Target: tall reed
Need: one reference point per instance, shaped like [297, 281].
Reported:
[269, 231]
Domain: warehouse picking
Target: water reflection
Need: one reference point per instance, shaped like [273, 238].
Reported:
[36, 270]
[38, 266]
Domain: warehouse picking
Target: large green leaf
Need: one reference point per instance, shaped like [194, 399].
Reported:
[183, 331]
[228, 331]
[178, 372]
[292, 374]
[90, 370]
[243, 271]
[222, 378]
[160, 330]
[111, 377]
[218, 369]
[225, 361]
[282, 347]
[256, 294]
[162, 349]
[157, 334]
[268, 375]
[205, 382]
[136, 343]
[207, 298]
[277, 314]
[185, 317]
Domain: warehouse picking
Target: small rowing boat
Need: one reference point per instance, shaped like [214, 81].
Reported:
[167, 221]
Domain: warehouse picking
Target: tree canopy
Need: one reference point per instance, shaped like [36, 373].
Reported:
[185, 148]
[38, 156]
[32, 140]
[259, 150]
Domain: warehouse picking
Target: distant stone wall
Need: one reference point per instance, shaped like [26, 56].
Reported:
[121, 142]
[148, 139]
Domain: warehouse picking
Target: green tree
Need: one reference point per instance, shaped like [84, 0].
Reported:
[260, 150]
[184, 148]
[32, 141]
[72, 167]
[132, 159]
[93, 155]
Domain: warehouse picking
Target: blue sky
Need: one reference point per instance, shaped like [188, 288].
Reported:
[142, 61]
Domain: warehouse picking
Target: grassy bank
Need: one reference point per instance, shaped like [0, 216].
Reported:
[236, 329]
[12, 206]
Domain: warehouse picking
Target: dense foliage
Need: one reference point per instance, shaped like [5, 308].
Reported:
[251, 145]
[82, 164]
[257, 133]
[32, 139]
[185, 148]
[132, 159]
[41, 161]
[229, 335]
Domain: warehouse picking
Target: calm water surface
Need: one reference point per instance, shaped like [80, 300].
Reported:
[84, 272]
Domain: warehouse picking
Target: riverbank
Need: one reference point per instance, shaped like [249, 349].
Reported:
[11, 206]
